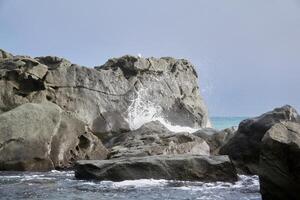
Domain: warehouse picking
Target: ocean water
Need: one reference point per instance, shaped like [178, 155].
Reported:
[61, 185]
[225, 122]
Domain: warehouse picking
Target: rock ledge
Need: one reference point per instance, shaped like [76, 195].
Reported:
[180, 167]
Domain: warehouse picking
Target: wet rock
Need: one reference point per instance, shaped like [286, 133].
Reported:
[155, 139]
[170, 167]
[216, 138]
[244, 148]
[279, 166]
[40, 137]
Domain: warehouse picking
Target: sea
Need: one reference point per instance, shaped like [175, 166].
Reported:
[226, 122]
[62, 185]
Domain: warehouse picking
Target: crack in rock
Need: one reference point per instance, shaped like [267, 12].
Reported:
[94, 90]
[19, 140]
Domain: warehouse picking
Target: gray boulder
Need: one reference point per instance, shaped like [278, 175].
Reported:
[216, 139]
[154, 138]
[244, 148]
[279, 166]
[42, 137]
[168, 86]
[170, 167]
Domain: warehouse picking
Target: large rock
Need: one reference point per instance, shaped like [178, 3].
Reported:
[153, 138]
[170, 167]
[43, 137]
[244, 148]
[279, 165]
[216, 139]
[167, 87]
[109, 125]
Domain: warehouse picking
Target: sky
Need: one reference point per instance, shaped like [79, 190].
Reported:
[246, 52]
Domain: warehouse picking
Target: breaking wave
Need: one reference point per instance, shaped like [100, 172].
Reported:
[142, 111]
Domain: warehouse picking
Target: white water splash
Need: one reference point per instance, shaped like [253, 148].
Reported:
[141, 183]
[142, 111]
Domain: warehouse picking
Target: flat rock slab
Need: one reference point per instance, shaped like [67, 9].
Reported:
[179, 167]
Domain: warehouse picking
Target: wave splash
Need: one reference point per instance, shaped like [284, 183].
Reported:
[142, 111]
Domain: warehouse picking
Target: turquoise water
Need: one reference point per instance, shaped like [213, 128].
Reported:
[226, 122]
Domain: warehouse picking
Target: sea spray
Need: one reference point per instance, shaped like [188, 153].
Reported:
[142, 110]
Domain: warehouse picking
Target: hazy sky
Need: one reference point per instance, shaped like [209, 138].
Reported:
[247, 52]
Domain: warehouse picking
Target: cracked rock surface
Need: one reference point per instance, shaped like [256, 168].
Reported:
[168, 83]
[53, 112]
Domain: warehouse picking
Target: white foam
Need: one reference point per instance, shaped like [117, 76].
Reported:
[208, 124]
[36, 177]
[142, 111]
[243, 182]
[88, 183]
[10, 177]
[140, 183]
[65, 173]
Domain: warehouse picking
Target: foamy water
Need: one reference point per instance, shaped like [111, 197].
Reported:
[142, 111]
[58, 185]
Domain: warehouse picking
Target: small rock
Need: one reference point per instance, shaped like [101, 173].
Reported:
[215, 138]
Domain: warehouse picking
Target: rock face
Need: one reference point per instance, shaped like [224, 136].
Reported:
[279, 165]
[216, 139]
[244, 148]
[155, 139]
[43, 137]
[166, 87]
[52, 110]
[179, 167]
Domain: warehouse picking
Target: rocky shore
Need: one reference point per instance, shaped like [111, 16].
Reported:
[136, 118]
[180, 167]
[269, 146]
[54, 112]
